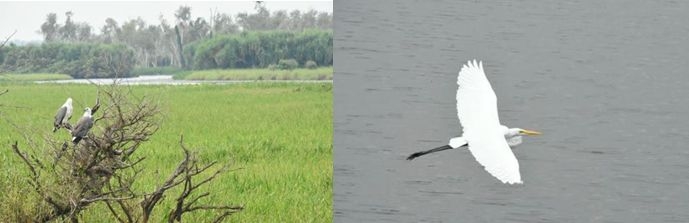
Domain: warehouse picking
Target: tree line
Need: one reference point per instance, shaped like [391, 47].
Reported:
[80, 60]
[255, 39]
[261, 49]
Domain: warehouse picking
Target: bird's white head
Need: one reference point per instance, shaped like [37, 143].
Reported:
[68, 102]
[87, 111]
[510, 132]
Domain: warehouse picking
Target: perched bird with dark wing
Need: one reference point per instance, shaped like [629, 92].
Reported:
[63, 115]
[83, 126]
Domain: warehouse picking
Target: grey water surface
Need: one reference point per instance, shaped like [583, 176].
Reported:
[607, 82]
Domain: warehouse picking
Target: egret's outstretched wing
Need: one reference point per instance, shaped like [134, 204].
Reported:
[477, 105]
[478, 113]
[491, 151]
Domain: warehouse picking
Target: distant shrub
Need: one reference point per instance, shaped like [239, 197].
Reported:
[311, 64]
[272, 67]
[288, 64]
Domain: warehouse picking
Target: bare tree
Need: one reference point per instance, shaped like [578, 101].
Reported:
[103, 168]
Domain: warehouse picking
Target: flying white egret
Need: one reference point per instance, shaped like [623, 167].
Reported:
[83, 126]
[487, 139]
[63, 115]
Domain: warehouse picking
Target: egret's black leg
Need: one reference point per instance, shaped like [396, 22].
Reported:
[417, 154]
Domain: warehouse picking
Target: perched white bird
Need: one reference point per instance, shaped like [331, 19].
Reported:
[83, 126]
[63, 115]
[487, 139]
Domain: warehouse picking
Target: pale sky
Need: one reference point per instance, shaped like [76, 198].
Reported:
[26, 17]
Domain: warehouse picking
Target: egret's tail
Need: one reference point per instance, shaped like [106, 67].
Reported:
[417, 154]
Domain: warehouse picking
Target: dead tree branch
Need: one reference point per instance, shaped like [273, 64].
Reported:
[103, 168]
[184, 174]
[34, 180]
[7, 39]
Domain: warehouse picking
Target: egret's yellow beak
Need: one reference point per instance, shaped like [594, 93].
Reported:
[529, 132]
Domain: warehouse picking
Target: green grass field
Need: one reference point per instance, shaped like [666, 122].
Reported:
[280, 135]
[321, 73]
[34, 77]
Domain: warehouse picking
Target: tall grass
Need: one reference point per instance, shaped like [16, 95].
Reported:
[278, 138]
[322, 73]
[168, 70]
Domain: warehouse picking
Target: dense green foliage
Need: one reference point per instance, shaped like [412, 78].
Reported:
[34, 77]
[277, 138]
[260, 49]
[79, 60]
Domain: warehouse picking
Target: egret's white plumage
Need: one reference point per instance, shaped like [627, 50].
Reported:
[477, 110]
[457, 142]
[513, 136]
[488, 140]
